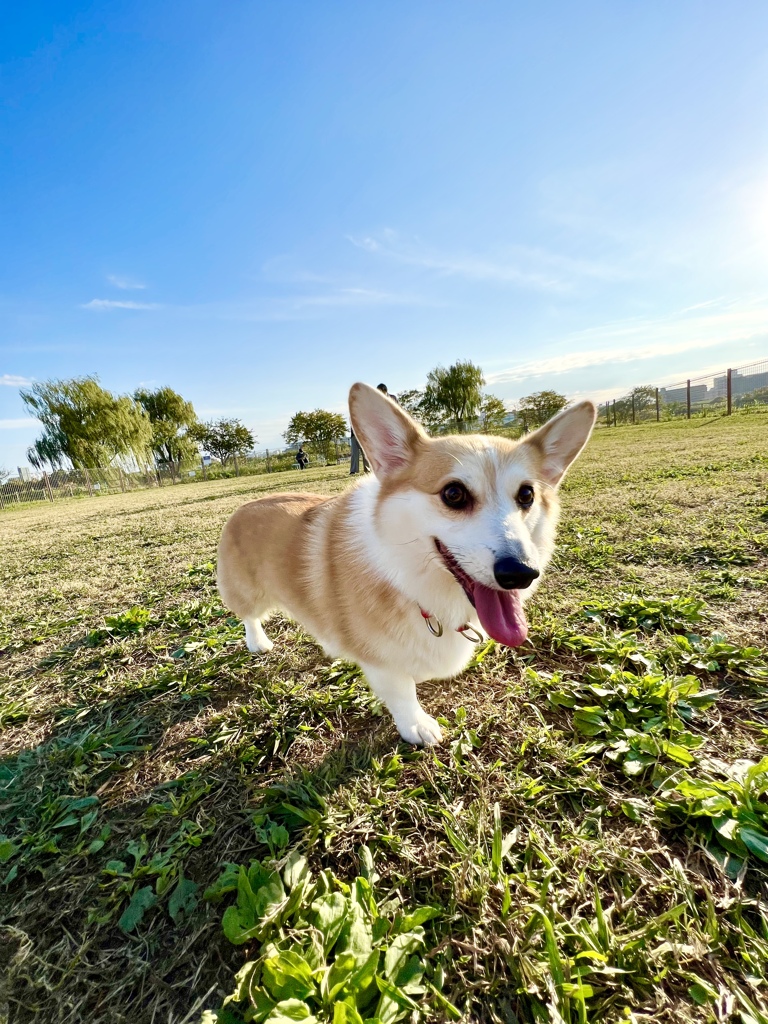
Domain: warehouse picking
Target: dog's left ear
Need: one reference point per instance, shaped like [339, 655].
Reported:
[561, 439]
[386, 432]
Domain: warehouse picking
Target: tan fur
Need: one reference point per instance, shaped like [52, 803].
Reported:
[358, 569]
[316, 576]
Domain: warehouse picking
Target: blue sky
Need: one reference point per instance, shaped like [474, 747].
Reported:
[259, 203]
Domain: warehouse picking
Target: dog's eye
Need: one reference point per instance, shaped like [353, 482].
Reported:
[455, 495]
[525, 496]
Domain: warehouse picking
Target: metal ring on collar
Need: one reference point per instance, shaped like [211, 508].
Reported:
[434, 630]
[466, 629]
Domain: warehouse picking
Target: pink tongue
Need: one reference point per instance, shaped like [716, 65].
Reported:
[501, 614]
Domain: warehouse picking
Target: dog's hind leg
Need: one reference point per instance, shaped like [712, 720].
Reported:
[249, 602]
[398, 692]
[256, 639]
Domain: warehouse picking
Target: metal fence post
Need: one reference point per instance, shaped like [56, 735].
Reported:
[614, 412]
[688, 399]
[728, 392]
[633, 406]
[658, 416]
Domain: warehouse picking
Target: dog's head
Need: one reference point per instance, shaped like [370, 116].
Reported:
[468, 516]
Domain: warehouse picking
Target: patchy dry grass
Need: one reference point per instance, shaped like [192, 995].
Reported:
[590, 843]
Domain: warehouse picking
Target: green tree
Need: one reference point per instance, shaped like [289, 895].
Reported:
[319, 430]
[411, 401]
[453, 396]
[645, 398]
[224, 439]
[85, 425]
[171, 417]
[492, 414]
[539, 407]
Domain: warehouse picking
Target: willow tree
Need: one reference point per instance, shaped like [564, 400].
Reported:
[85, 425]
[453, 396]
[171, 417]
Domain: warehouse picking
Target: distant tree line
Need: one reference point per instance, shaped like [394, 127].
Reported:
[85, 425]
[453, 399]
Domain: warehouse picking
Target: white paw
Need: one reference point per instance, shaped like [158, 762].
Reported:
[423, 730]
[256, 640]
[259, 648]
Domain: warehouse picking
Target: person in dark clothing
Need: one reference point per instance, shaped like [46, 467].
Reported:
[354, 459]
[302, 458]
[383, 389]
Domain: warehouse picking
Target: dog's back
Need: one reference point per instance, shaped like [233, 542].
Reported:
[307, 555]
[250, 579]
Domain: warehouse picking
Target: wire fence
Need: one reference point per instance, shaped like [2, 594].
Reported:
[737, 389]
[97, 481]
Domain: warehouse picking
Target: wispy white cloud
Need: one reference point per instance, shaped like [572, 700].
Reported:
[24, 423]
[12, 380]
[121, 281]
[307, 305]
[583, 360]
[103, 304]
[301, 307]
[518, 265]
[356, 297]
[643, 339]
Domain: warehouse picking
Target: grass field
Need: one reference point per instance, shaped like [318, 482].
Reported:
[190, 833]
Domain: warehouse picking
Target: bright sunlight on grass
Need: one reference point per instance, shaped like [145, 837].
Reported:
[189, 833]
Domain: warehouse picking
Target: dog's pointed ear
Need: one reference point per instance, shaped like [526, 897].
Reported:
[560, 440]
[387, 434]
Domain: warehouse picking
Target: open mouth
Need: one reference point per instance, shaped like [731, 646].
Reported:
[465, 581]
[500, 611]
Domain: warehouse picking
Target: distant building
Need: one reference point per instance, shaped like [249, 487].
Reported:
[25, 473]
[699, 393]
[742, 384]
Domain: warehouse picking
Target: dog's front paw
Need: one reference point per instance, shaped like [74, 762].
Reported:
[260, 648]
[423, 730]
[256, 640]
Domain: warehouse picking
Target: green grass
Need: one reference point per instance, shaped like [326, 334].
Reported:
[192, 834]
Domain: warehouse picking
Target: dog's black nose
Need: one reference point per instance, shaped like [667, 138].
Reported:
[514, 575]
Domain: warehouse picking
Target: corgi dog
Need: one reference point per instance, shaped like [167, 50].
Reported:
[442, 545]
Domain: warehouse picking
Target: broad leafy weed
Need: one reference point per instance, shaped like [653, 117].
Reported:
[191, 834]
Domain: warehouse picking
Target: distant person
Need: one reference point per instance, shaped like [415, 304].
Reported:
[354, 456]
[383, 389]
[302, 458]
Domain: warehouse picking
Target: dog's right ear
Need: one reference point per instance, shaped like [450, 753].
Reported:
[386, 432]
